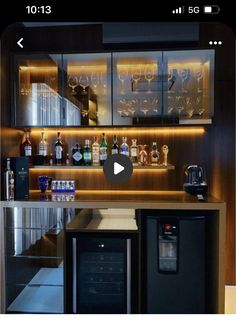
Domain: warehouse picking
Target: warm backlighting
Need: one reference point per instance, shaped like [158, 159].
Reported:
[124, 192]
[89, 168]
[50, 68]
[124, 131]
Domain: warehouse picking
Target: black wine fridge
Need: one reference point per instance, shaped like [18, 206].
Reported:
[101, 272]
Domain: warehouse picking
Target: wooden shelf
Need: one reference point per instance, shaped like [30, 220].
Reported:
[154, 167]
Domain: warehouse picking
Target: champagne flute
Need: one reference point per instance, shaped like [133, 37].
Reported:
[149, 75]
[73, 83]
[122, 76]
[94, 80]
[136, 76]
[199, 75]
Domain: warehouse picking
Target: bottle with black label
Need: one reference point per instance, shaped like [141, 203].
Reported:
[154, 155]
[9, 182]
[87, 153]
[77, 156]
[59, 150]
[115, 147]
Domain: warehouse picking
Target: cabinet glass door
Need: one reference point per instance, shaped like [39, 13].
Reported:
[88, 87]
[37, 95]
[137, 87]
[188, 81]
[34, 259]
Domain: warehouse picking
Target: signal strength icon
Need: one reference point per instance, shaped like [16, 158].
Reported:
[178, 10]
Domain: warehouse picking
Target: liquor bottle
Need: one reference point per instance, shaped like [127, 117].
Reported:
[51, 159]
[124, 148]
[103, 150]
[27, 147]
[8, 181]
[59, 150]
[134, 152]
[115, 147]
[154, 155]
[67, 159]
[43, 147]
[142, 155]
[77, 156]
[95, 152]
[87, 155]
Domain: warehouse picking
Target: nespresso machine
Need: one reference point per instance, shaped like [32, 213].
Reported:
[195, 181]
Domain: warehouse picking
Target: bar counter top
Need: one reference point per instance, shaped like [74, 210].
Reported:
[117, 199]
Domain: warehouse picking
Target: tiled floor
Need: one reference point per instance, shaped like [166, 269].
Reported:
[230, 299]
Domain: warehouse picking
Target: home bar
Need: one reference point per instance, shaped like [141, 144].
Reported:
[117, 168]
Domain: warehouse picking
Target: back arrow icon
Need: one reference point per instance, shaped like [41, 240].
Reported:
[19, 42]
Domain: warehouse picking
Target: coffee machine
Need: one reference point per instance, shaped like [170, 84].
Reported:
[195, 181]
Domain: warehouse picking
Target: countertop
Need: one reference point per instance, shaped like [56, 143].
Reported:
[117, 199]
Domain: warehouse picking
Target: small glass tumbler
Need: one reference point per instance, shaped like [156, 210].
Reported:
[43, 183]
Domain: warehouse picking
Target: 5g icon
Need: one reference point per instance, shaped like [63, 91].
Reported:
[192, 10]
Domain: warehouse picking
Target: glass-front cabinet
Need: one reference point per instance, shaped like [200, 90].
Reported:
[34, 253]
[137, 87]
[119, 88]
[188, 85]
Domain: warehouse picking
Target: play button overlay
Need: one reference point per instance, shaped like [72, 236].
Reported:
[118, 168]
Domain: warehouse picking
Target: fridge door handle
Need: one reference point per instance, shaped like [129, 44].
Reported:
[74, 275]
[128, 276]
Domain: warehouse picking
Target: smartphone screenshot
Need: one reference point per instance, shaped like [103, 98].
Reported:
[117, 161]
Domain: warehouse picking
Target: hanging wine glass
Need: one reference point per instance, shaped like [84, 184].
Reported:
[198, 72]
[122, 76]
[149, 75]
[84, 83]
[73, 83]
[103, 81]
[144, 106]
[172, 77]
[189, 107]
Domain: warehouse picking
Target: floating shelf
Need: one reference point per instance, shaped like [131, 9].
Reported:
[154, 167]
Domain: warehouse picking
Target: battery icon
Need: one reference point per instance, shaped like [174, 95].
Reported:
[212, 9]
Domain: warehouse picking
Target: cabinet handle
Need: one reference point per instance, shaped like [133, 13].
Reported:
[74, 275]
[128, 276]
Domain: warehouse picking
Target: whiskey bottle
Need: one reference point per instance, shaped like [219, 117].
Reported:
[115, 147]
[8, 181]
[103, 150]
[87, 153]
[67, 159]
[59, 150]
[95, 152]
[77, 157]
[124, 148]
[134, 152]
[43, 147]
[154, 155]
[142, 156]
[27, 147]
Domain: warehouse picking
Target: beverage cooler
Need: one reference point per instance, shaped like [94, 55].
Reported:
[100, 272]
[175, 262]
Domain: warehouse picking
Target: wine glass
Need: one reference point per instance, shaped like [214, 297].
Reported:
[73, 83]
[122, 76]
[172, 77]
[94, 80]
[144, 106]
[149, 75]
[189, 107]
[84, 83]
[103, 81]
[136, 76]
[198, 72]
[184, 74]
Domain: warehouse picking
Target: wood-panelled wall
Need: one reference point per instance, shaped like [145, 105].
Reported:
[215, 149]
